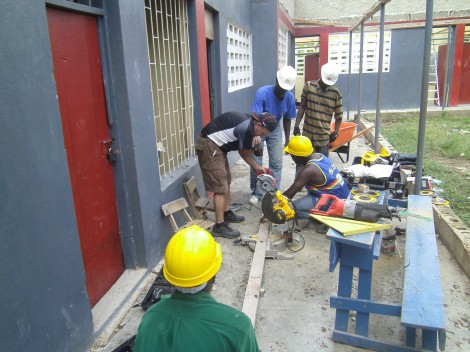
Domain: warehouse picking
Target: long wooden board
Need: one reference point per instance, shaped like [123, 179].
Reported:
[253, 287]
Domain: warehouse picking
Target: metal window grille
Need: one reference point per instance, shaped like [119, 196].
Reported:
[239, 58]
[283, 46]
[338, 51]
[170, 73]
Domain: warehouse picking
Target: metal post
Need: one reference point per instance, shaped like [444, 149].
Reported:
[449, 66]
[359, 100]
[424, 97]
[379, 81]
[349, 70]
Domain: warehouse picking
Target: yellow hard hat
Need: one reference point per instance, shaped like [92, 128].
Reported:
[299, 146]
[384, 153]
[192, 257]
[368, 157]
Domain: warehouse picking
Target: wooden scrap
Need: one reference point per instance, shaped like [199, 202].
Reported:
[253, 287]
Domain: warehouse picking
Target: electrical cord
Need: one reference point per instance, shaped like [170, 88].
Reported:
[289, 245]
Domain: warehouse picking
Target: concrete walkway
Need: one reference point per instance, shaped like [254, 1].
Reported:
[294, 313]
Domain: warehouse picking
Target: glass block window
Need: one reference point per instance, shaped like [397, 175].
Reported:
[338, 51]
[239, 58]
[283, 45]
[305, 46]
[170, 74]
[466, 35]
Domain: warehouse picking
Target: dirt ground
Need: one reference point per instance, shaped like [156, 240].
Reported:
[294, 313]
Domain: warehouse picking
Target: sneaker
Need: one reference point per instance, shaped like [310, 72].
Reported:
[223, 230]
[230, 216]
[253, 199]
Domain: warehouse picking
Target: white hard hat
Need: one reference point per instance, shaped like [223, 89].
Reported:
[329, 73]
[286, 77]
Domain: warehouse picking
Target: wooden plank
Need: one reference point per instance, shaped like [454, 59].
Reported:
[367, 342]
[370, 13]
[363, 240]
[174, 206]
[250, 303]
[423, 305]
[350, 227]
[205, 203]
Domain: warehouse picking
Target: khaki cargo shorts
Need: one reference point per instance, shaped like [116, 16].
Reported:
[214, 166]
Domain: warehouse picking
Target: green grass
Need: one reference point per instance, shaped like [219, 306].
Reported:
[446, 153]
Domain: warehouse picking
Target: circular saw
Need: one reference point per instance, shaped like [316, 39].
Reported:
[276, 208]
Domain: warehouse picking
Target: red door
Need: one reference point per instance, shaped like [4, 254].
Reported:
[79, 81]
[312, 67]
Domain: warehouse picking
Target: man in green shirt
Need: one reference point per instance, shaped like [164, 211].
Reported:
[320, 100]
[190, 319]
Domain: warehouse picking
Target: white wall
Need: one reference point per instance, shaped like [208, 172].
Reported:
[348, 12]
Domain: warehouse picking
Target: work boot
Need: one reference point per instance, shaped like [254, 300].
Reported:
[223, 230]
[230, 216]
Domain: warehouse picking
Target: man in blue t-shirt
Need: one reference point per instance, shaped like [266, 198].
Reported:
[277, 100]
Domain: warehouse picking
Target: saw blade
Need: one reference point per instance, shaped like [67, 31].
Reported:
[267, 206]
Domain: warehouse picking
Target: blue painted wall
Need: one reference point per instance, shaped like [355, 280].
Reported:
[44, 305]
[401, 86]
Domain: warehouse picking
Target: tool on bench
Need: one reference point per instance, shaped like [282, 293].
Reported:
[330, 205]
[278, 210]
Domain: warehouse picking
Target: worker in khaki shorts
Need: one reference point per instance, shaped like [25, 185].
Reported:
[190, 319]
[320, 100]
[231, 131]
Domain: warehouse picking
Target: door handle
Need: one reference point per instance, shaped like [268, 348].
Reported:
[108, 150]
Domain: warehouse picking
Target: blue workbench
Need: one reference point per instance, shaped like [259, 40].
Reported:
[355, 251]
[360, 251]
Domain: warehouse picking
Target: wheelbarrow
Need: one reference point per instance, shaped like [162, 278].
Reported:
[345, 136]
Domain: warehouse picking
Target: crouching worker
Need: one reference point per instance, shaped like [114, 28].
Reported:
[317, 174]
[190, 319]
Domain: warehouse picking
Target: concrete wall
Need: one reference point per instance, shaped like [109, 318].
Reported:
[288, 6]
[350, 12]
[140, 194]
[401, 86]
[44, 305]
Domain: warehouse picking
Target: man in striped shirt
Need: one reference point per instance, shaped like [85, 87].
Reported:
[320, 100]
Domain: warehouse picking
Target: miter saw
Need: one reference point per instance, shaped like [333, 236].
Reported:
[279, 211]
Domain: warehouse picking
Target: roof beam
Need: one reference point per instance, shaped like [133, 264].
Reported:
[370, 13]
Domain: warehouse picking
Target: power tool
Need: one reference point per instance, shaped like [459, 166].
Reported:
[276, 208]
[330, 205]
